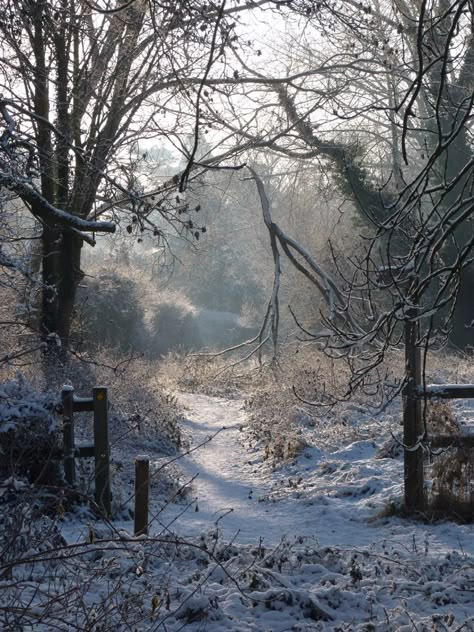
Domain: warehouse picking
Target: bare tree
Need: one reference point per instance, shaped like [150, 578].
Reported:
[381, 98]
[83, 84]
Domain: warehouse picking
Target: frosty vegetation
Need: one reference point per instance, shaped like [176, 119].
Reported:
[230, 214]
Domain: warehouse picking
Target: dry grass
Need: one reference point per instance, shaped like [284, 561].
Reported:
[141, 405]
[142, 414]
[442, 366]
[451, 470]
[453, 484]
[276, 414]
[276, 396]
[440, 419]
[281, 418]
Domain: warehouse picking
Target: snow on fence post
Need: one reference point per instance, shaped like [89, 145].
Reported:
[142, 486]
[448, 391]
[412, 418]
[67, 398]
[102, 449]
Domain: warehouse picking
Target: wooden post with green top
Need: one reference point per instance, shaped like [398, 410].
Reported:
[102, 449]
[67, 397]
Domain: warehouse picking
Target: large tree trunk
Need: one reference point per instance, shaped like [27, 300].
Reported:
[61, 276]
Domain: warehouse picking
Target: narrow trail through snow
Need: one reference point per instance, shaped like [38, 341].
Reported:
[248, 500]
[227, 484]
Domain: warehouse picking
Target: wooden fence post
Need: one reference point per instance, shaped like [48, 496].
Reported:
[67, 398]
[412, 419]
[142, 486]
[102, 449]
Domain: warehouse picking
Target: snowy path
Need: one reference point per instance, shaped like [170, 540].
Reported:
[338, 492]
[227, 482]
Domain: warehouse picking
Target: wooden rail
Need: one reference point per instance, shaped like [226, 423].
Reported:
[446, 391]
[452, 441]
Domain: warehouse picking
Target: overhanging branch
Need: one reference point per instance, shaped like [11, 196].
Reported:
[307, 266]
[50, 214]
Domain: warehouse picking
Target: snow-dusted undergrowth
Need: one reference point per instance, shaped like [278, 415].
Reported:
[299, 547]
[212, 585]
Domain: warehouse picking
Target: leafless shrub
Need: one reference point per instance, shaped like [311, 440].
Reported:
[453, 485]
[172, 325]
[29, 441]
[208, 373]
[109, 312]
[452, 490]
[297, 396]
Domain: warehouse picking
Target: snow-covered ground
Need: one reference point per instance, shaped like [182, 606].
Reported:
[250, 547]
[327, 493]
[300, 547]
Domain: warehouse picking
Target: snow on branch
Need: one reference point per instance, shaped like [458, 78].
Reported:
[17, 174]
[42, 209]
